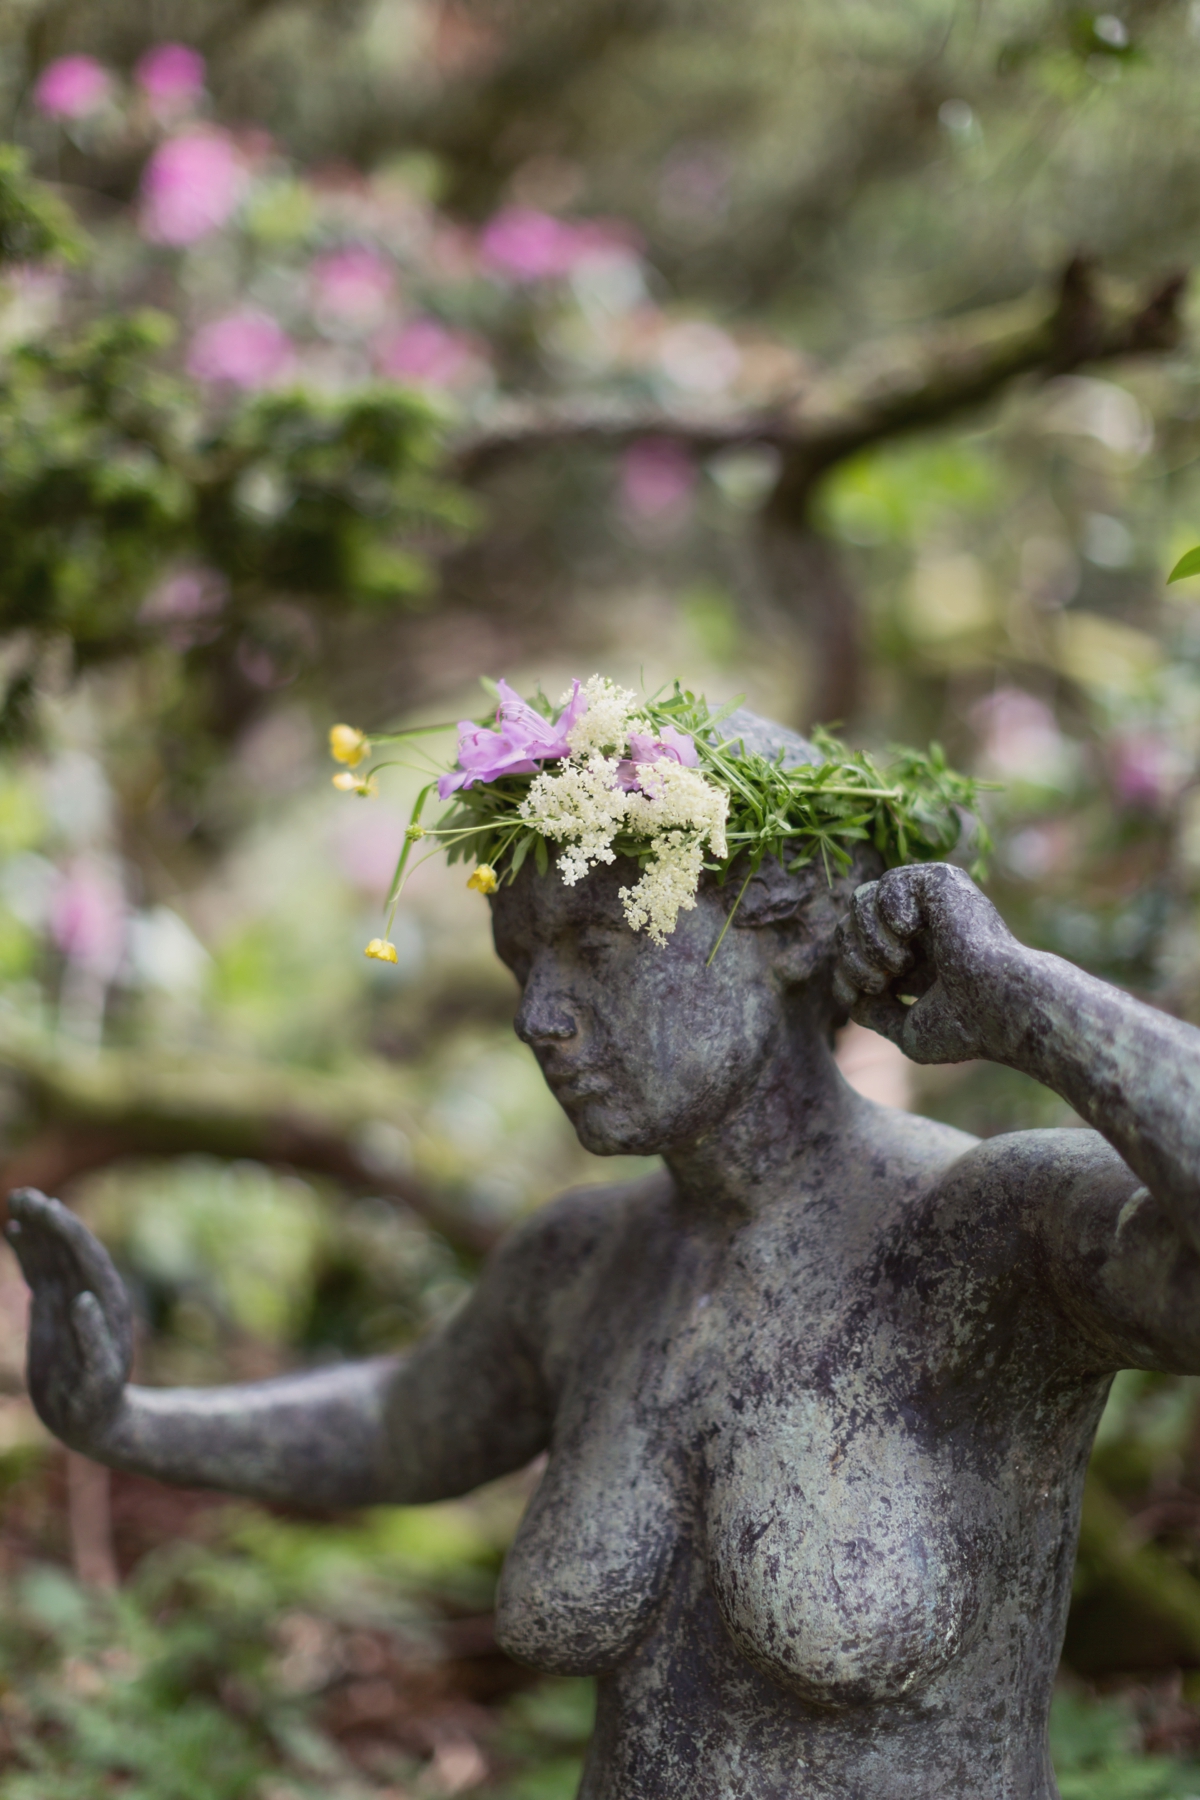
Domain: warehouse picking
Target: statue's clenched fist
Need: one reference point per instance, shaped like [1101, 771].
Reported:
[80, 1330]
[924, 959]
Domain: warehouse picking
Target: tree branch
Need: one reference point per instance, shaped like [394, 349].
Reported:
[898, 387]
[95, 1106]
[881, 393]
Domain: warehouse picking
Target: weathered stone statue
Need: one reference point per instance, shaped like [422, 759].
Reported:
[818, 1397]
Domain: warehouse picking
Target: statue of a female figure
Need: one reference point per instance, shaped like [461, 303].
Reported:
[818, 1397]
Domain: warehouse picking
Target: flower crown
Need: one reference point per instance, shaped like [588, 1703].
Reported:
[605, 774]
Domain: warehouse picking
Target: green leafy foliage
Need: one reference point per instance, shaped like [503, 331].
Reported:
[1188, 564]
[231, 1669]
[1097, 1755]
[113, 477]
[34, 225]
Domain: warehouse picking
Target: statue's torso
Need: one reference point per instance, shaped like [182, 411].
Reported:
[812, 1493]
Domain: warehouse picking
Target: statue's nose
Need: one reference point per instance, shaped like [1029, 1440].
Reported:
[542, 1018]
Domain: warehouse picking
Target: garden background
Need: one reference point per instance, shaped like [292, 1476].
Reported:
[839, 354]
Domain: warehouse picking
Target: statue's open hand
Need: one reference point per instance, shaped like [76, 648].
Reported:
[80, 1330]
[921, 960]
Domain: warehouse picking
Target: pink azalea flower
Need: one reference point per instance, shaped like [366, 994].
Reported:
[634, 770]
[1020, 739]
[528, 245]
[88, 917]
[425, 354]
[72, 87]
[522, 741]
[171, 76]
[185, 605]
[658, 479]
[190, 187]
[353, 285]
[248, 349]
[1148, 770]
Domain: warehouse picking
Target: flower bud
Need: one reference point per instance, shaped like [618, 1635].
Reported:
[381, 951]
[484, 879]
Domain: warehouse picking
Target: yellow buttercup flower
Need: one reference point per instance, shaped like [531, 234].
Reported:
[484, 879]
[347, 783]
[348, 745]
[381, 950]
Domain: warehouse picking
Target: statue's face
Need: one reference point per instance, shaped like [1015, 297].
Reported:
[645, 1048]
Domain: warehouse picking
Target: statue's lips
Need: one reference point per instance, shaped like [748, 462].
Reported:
[571, 1083]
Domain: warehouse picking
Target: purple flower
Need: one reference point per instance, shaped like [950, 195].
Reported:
[190, 187]
[522, 741]
[171, 76]
[634, 770]
[72, 87]
[248, 349]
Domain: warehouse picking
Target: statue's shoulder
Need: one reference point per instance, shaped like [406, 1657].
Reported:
[580, 1228]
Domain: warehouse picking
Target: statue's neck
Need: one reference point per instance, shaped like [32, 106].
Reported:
[786, 1137]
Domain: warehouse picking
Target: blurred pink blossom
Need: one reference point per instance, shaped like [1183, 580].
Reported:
[72, 87]
[425, 353]
[353, 285]
[171, 76]
[185, 604]
[1020, 739]
[364, 844]
[1147, 768]
[88, 917]
[248, 349]
[528, 245]
[658, 480]
[190, 187]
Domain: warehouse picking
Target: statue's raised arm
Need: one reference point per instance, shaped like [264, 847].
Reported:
[927, 960]
[466, 1405]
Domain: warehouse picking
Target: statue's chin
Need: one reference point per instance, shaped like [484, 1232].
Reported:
[606, 1131]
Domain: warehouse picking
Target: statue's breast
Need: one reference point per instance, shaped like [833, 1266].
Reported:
[592, 1557]
[847, 1558]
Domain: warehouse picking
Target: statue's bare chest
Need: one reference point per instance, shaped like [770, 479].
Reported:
[751, 1417]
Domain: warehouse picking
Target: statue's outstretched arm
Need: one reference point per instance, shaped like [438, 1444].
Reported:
[1127, 1235]
[466, 1405]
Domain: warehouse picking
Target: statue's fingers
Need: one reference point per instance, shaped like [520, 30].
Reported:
[56, 1249]
[882, 1013]
[858, 965]
[845, 993]
[106, 1364]
[876, 934]
[934, 1032]
[32, 1231]
[898, 900]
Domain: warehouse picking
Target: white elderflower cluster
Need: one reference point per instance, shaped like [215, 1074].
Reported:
[605, 724]
[683, 814]
[668, 885]
[582, 807]
[582, 804]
